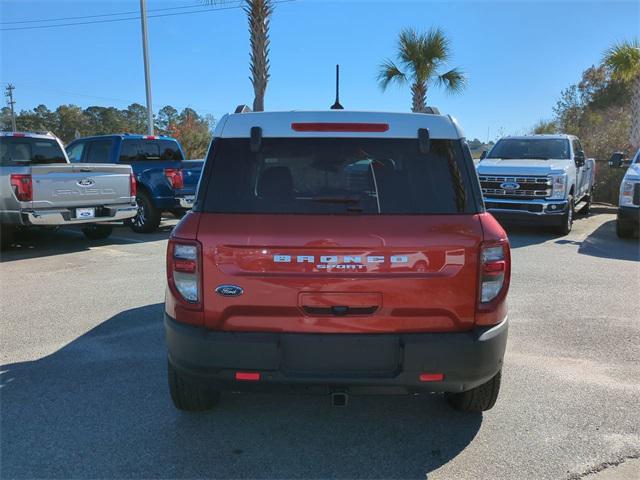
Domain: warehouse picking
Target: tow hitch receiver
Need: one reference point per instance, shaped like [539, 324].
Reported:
[339, 399]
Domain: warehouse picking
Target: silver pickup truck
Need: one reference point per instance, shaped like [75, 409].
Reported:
[39, 187]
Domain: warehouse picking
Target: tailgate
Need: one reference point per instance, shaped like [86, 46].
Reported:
[191, 170]
[77, 185]
[341, 274]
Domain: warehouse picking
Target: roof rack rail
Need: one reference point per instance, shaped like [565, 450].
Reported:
[242, 109]
[432, 110]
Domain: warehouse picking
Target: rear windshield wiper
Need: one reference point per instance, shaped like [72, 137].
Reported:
[336, 199]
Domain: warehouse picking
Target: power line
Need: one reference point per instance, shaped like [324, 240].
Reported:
[115, 14]
[129, 18]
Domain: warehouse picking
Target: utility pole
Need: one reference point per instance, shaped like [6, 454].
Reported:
[147, 73]
[11, 102]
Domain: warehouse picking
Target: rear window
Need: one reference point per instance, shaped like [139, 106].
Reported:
[531, 148]
[34, 151]
[338, 176]
[136, 150]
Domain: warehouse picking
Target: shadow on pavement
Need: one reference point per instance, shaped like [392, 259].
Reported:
[99, 408]
[604, 243]
[38, 242]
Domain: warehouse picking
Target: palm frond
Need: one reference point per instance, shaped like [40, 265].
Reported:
[623, 60]
[453, 81]
[435, 46]
[409, 46]
[389, 72]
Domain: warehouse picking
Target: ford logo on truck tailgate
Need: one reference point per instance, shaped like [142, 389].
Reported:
[509, 185]
[229, 290]
[86, 182]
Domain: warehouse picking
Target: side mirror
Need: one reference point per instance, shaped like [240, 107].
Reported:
[483, 155]
[579, 158]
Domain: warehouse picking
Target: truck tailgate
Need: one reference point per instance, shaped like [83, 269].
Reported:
[77, 185]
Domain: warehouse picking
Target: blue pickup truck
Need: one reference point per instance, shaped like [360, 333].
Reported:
[166, 181]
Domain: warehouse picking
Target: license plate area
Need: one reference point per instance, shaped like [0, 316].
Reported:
[341, 355]
[84, 213]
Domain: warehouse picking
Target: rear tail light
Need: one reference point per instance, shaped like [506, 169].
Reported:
[184, 272]
[174, 175]
[248, 376]
[22, 186]
[494, 270]
[133, 185]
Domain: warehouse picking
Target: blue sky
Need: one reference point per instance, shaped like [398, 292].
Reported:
[518, 55]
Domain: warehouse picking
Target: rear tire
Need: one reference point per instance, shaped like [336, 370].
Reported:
[97, 232]
[148, 216]
[479, 399]
[566, 223]
[190, 396]
[7, 234]
[586, 208]
[624, 229]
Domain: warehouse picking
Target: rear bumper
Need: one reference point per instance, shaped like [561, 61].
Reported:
[66, 216]
[541, 212]
[467, 359]
[629, 215]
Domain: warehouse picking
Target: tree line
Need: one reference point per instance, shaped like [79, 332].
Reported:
[71, 121]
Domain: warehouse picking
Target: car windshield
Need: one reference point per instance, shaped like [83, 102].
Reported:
[531, 148]
[337, 176]
[35, 151]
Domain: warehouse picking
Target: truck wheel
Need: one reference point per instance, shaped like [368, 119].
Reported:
[190, 396]
[97, 232]
[478, 399]
[624, 229]
[148, 217]
[566, 223]
[7, 232]
[586, 208]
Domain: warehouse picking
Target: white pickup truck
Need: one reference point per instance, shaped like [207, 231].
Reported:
[39, 187]
[541, 179]
[629, 201]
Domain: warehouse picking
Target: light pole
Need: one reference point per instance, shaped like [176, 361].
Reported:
[147, 73]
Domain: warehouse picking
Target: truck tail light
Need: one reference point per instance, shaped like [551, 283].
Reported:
[133, 185]
[184, 272]
[22, 186]
[174, 175]
[494, 271]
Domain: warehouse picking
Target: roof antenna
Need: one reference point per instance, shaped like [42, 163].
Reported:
[337, 106]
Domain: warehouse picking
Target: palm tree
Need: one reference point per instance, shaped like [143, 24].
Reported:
[259, 14]
[623, 62]
[420, 57]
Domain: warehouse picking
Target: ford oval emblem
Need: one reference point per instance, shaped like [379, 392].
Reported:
[229, 290]
[509, 185]
[86, 182]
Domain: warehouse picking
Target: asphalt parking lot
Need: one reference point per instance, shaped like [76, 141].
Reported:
[83, 390]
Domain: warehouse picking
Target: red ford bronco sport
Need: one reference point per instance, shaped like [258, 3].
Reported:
[337, 251]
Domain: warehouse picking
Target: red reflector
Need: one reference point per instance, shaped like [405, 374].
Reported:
[188, 266]
[248, 376]
[493, 268]
[340, 127]
[431, 377]
[18, 135]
